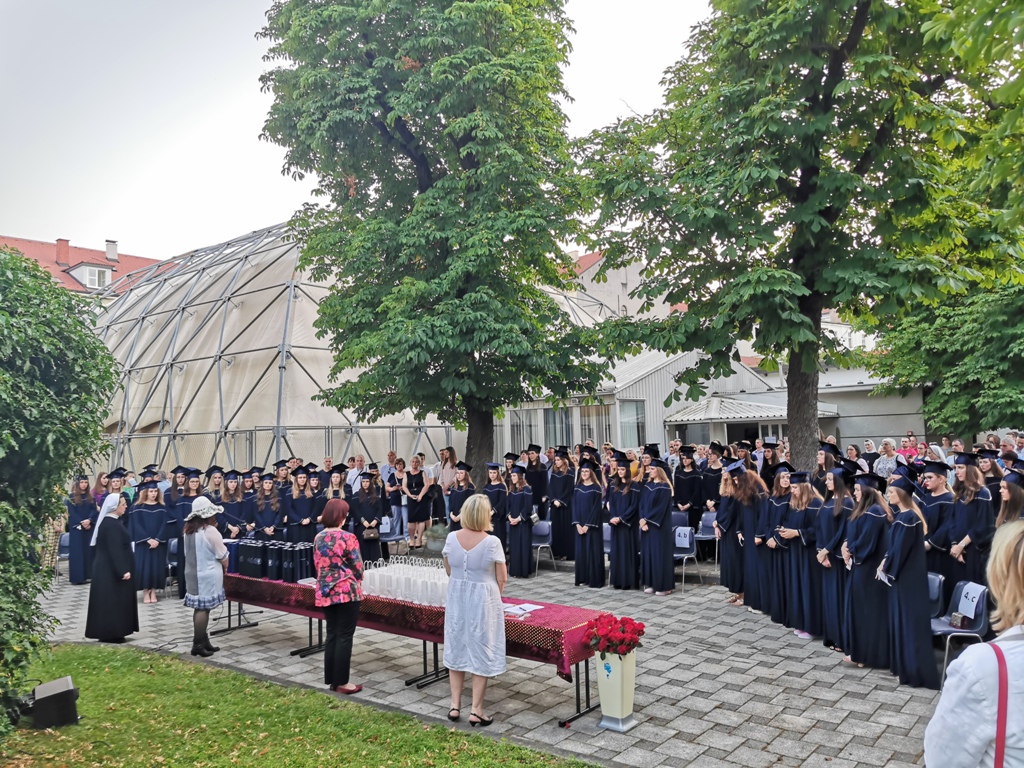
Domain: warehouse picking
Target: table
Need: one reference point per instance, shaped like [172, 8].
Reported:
[553, 635]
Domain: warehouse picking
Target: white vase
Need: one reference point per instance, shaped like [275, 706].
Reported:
[616, 684]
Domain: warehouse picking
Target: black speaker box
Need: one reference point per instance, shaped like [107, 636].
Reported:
[55, 704]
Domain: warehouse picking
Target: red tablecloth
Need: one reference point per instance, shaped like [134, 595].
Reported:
[553, 635]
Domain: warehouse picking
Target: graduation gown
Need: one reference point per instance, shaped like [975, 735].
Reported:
[752, 522]
[937, 511]
[911, 656]
[497, 494]
[113, 608]
[537, 480]
[730, 553]
[456, 498]
[297, 510]
[867, 599]
[587, 502]
[975, 518]
[367, 509]
[830, 534]
[149, 521]
[264, 516]
[657, 568]
[176, 530]
[560, 494]
[689, 490]
[802, 571]
[625, 565]
[80, 551]
[710, 487]
[234, 514]
[519, 508]
[775, 559]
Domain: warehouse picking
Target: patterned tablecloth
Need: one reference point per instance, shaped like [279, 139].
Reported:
[553, 635]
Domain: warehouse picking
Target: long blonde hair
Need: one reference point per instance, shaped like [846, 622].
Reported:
[1005, 574]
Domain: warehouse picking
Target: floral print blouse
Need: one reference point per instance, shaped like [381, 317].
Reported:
[339, 568]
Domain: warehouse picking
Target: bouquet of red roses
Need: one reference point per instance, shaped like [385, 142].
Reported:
[609, 634]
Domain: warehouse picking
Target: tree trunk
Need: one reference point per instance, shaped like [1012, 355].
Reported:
[479, 442]
[802, 392]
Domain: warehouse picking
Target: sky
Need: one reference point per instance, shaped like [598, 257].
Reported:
[139, 121]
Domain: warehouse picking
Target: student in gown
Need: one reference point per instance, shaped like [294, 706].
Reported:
[711, 478]
[750, 499]
[802, 577]
[827, 456]
[176, 521]
[214, 490]
[460, 492]
[990, 470]
[776, 548]
[537, 477]
[687, 485]
[368, 514]
[1011, 497]
[334, 488]
[971, 524]
[561, 485]
[587, 502]
[518, 513]
[905, 571]
[769, 458]
[623, 511]
[148, 531]
[657, 568]
[233, 522]
[82, 514]
[300, 508]
[830, 535]
[936, 504]
[113, 609]
[730, 552]
[867, 599]
[496, 492]
[267, 511]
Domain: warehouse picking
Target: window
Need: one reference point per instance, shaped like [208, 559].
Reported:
[596, 424]
[96, 277]
[524, 428]
[633, 425]
[557, 426]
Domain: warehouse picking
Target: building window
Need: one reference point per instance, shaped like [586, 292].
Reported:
[557, 426]
[633, 422]
[96, 277]
[596, 424]
[524, 428]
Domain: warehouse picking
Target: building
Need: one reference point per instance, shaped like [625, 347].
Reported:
[82, 270]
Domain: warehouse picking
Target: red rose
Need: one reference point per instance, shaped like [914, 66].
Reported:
[603, 645]
[623, 650]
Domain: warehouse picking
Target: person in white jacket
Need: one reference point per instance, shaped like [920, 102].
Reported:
[962, 732]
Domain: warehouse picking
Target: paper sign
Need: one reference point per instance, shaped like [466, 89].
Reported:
[969, 599]
[683, 537]
[521, 610]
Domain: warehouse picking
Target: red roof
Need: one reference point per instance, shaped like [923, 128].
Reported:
[587, 260]
[61, 257]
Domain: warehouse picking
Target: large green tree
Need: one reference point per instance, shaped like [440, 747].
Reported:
[56, 380]
[435, 132]
[809, 157]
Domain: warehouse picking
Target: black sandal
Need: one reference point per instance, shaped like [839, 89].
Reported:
[479, 720]
[456, 711]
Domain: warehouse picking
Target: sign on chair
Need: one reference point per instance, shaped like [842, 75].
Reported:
[969, 599]
[385, 524]
[684, 537]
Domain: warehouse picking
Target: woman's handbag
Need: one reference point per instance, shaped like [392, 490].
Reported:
[371, 534]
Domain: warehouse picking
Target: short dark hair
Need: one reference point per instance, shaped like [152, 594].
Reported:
[334, 513]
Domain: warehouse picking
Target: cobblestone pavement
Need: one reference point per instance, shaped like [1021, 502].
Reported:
[717, 686]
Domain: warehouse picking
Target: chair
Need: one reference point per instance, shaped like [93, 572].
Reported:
[684, 548]
[707, 532]
[63, 553]
[172, 564]
[542, 539]
[935, 584]
[976, 628]
[606, 536]
[680, 519]
[397, 532]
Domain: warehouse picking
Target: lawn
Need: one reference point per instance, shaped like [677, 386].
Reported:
[141, 708]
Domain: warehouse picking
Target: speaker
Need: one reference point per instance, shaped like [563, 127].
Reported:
[54, 704]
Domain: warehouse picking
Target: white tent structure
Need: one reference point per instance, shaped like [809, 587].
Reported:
[220, 363]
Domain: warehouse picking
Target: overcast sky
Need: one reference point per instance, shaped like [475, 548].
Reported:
[139, 121]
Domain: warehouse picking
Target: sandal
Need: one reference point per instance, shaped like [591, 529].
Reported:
[456, 717]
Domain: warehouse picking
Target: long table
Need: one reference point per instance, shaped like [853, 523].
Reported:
[553, 635]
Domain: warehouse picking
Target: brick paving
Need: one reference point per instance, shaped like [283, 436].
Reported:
[717, 686]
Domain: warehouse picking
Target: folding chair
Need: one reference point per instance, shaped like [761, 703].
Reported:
[172, 564]
[606, 537]
[685, 548]
[397, 532]
[935, 584]
[707, 532]
[541, 540]
[63, 553]
[976, 628]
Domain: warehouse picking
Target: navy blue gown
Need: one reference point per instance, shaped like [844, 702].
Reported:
[149, 521]
[560, 492]
[297, 510]
[176, 524]
[537, 481]
[751, 524]
[937, 511]
[264, 516]
[975, 518]
[625, 567]
[80, 552]
[587, 502]
[689, 490]
[911, 656]
[657, 568]
[456, 498]
[367, 509]
[519, 507]
[234, 514]
[730, 553]
[497, 494]
[867, 599]
[803, 572]
[774, 560]
[830, 534]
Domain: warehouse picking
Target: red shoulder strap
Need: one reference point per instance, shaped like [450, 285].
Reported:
[1001, 712]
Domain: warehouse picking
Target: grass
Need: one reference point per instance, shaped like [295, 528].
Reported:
[141, 708]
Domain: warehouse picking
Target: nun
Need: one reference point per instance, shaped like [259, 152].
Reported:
[775, 552]
[518, 514]
[587, 503]
[623, 503]
[82, 514]
[148, 530]
[867, 599]
[802, 577]
[657, 568]
[905, 571]
[830, 534]
[561, 485]
[113, 609]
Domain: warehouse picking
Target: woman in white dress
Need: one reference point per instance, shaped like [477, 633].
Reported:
[474, 621]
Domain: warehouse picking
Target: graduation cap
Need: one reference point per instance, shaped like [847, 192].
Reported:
[832, 449]
[660, 464]
[652, 450]
[904, 484]
[518, 469]
[561, 454]
[1014, 477]
[846, 466]
[784, 466]
[620, 457]
[463, 466]
[909, 471]
[372, 466]
[796, 478]
[311, 467]
[81, 477]
[300, 471]
[533, 448]
[988, 453]
[511, 456]
[179, 470]
[267, 476]
[736, 468]
[254, 471]
[687, 450]
[147, 475]
[745, 445]
[493, 465]
[717, 448]
[280, 464]
[232, 474]
[593, 467]
[122, 470]
[1018, 465]
[564, 448]
[366, 475]
[771, 441]
[871, 481]
[147, 485]
[116, 474]
[193, 473]
[936, 468]
[154, 468]
[963, 457]
[214, 470]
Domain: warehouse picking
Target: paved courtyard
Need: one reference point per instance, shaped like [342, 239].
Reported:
[717, 686]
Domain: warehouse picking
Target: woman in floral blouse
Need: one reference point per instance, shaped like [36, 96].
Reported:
[339, 576]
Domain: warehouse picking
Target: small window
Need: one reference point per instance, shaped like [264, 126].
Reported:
[96, 277]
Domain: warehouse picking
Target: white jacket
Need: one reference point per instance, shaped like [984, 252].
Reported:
[962, 732]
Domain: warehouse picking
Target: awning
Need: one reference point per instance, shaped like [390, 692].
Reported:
[716, 409]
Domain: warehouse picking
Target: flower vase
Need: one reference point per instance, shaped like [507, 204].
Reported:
[616, 684]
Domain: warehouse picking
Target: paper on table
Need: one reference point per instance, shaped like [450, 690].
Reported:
[522, 610]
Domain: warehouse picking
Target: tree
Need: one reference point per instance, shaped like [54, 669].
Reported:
[808, 157]
[56, 380]
[435, 133]
[967, 352]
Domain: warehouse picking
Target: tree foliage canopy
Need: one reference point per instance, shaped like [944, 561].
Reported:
[434, 129]
[809, 156]
[56, 380]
